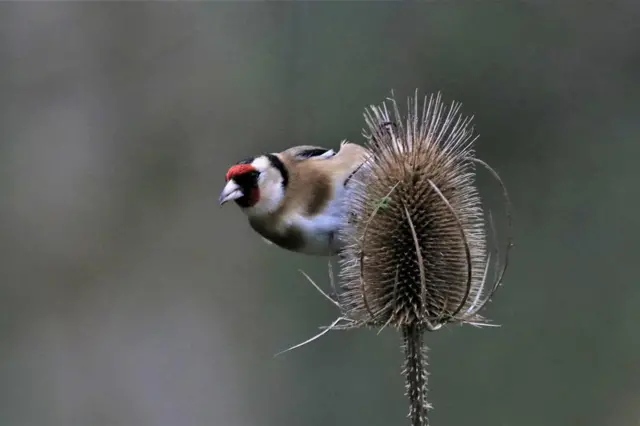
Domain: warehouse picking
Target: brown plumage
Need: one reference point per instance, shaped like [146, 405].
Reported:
[313, 182]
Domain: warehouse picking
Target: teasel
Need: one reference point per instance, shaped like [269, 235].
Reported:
[415, 254]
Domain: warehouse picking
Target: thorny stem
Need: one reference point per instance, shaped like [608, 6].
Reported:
[415, 373]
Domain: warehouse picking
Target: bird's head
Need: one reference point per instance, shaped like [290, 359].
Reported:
[256, 184]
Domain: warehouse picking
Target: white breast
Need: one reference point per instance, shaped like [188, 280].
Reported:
[321, 231]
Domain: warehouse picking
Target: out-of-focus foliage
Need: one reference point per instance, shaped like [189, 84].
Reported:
[128, 297]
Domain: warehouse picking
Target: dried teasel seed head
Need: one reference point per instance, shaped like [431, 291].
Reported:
[415, 242]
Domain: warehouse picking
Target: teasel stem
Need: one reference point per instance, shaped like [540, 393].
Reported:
[415, 373]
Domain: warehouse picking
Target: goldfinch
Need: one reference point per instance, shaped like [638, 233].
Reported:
[296, 198]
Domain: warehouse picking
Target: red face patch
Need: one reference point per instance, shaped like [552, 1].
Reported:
[254, 196]
[239, 169]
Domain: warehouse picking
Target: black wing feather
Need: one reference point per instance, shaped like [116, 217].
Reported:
[311, 152]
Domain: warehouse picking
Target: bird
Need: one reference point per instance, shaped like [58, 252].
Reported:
[296, 199]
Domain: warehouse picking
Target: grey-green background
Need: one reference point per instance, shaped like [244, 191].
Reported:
[128, 297]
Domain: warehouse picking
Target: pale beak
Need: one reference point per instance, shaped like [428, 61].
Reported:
[231, 191]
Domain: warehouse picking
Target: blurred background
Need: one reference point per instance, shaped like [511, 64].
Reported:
[128, 297]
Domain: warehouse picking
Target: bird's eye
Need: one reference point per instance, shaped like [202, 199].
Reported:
[247, 179]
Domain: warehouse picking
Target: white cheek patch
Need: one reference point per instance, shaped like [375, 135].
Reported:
[270, 185]
[261, 164]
